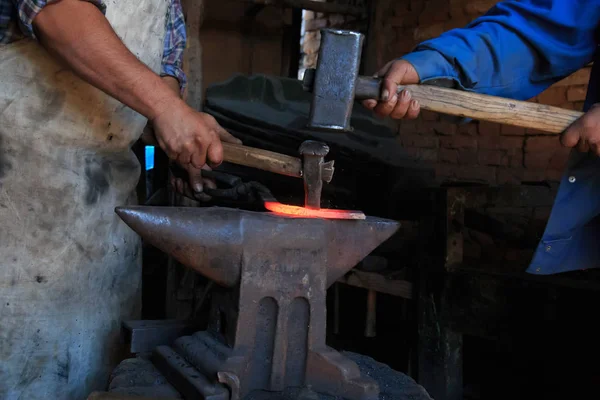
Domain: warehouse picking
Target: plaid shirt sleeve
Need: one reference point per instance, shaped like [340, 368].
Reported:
[174, 45]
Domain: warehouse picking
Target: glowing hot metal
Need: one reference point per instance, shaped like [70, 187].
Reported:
[296, 211]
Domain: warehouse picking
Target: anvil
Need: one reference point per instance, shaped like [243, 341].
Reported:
[268, 317]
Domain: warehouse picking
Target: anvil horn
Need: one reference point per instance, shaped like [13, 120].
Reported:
[200, 240]
[212, 240]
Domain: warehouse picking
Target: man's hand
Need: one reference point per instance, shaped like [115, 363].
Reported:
[190, 137]
[399, 105]
[194, 188]
[584, 134]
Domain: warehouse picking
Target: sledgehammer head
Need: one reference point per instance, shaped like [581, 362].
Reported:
[333, 82]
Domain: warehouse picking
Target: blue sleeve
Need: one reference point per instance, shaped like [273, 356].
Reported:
[516, 50]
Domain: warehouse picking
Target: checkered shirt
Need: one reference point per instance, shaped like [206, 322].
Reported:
[15, 14]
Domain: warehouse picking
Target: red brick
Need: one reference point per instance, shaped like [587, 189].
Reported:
[427, 115]
[457, 10]
[509, 130]
[469, 129]
[442, 128]
[581, 77]
[515, 158]
[402, 47]
[576, 93]
[419, 154]
[476, 174]
[434, 11]
[480, 7]
[531, 132]
[542, 144]
[408, 126]
[458, 142]
[467, 157]
[489, 128]
[401, 7]
[493, 157]
[554, 175]
[455, 23]
[553, 96]
[567, 106]
[500, 143]
[510, 176]
[465, 173]
[422, 141]
[537, 160]
[443, 171]
[534, 175]
[407, 20]
[559, 159]
[449, 156]
[423, 33]
[417, 5]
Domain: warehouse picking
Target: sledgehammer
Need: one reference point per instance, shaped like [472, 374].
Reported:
[335, 84]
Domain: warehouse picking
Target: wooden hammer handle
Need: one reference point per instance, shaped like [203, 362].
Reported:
[262, 159]
[479, 106]
[255, 158]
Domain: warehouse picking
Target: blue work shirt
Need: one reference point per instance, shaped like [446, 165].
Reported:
[516, 50]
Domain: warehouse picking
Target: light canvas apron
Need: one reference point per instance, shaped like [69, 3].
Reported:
[70, 270]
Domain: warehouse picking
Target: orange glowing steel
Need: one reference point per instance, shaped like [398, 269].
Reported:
[328, 213]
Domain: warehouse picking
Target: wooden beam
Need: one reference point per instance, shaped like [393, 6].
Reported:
[378, 283]
[329, 8]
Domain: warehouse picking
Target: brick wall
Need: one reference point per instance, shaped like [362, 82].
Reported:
[313, 22]
[477, 152]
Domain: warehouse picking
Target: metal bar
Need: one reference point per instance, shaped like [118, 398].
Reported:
[185, 378]
[145, 335]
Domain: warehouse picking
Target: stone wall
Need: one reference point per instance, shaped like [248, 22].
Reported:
[476, 152]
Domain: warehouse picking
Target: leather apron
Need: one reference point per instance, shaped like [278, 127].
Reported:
[70, 270]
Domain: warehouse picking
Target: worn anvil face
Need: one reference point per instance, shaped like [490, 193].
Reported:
[267, 331]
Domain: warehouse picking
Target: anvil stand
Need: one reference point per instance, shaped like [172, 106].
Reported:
[267, 324]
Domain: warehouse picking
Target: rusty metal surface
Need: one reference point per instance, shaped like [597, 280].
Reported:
[185, 377]
[334, 82]
[143, 336]
[267, 325]
[213, 240]
[313, 154]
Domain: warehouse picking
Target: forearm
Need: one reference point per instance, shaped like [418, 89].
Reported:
[77, 33]
[173, 84]
[516, 50]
